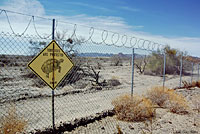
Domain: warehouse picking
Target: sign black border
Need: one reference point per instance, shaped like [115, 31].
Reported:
[53, 41]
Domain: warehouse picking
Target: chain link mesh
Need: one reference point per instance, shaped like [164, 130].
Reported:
[102, 72]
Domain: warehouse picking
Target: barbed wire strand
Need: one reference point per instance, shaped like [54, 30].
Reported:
[26, 28]
[1, 12]
[103, 30]
[37, 31]
[9, 22]
[124, 39]
[25, 14]
[152, 46]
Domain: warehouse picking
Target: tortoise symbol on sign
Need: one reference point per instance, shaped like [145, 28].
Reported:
[47, 66]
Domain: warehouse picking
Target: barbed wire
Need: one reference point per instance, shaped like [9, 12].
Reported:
[125, 41]
[36, 31]
[115, 37]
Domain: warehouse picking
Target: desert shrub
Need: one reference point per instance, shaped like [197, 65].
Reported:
[194, 83]
[135, 108]
[155, 65]
[189, 85]
[99, 65]
[167, 98]
[77, 73]
[186, 84]
[116, 60]
[114, 82]
[198, 84]
[12, 123]
[5, 60]
[141, 63]
[177, 103]
[158, 95]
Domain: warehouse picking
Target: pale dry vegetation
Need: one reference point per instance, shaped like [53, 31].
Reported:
[133, 108]
[168, 98]
[158, 95]
[12, 123]
[189, 85]
[139, 108]
[173, 56]
[177, 103]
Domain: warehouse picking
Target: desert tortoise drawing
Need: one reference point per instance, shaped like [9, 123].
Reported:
[47, 66]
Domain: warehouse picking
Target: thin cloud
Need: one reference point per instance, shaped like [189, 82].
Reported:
[110, 23]
[129, 9]
[90, 6]
[25, 6]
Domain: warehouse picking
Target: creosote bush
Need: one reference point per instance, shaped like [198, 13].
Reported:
[155, 62]
[136, 108]
[168, 98]
[12, 123]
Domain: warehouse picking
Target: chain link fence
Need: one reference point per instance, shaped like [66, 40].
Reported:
[102, 71]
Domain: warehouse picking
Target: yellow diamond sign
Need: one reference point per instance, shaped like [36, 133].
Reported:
[51, 64]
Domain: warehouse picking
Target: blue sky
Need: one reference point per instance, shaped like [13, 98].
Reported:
[161, 17]
[173, 22]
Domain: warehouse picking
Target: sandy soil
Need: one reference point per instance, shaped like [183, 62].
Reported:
[86, 102]
[165, 123]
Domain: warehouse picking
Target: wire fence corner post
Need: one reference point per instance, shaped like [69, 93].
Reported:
[181, 69]
[164, 67]
[133, 60]
[53, 113]
[192, 71]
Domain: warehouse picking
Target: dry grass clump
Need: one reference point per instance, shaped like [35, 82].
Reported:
[167, 98]
[158, 95]
[189, 85]
[198, 83]
[177, 103]
[12, 124]
[135, 108]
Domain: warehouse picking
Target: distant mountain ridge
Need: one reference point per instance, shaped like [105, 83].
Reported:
[103, 55]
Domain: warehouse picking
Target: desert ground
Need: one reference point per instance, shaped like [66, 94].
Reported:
[82, 98]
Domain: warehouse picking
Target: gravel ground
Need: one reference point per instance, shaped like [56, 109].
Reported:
[37, 111]
[165, 123]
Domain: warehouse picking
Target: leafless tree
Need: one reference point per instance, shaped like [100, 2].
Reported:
[141, 64]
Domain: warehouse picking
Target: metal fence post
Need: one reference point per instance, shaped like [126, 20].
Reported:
[164, 69]
[53, 113]
[198, 71]
[192, 72]
[181, 68]
[132, 81]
